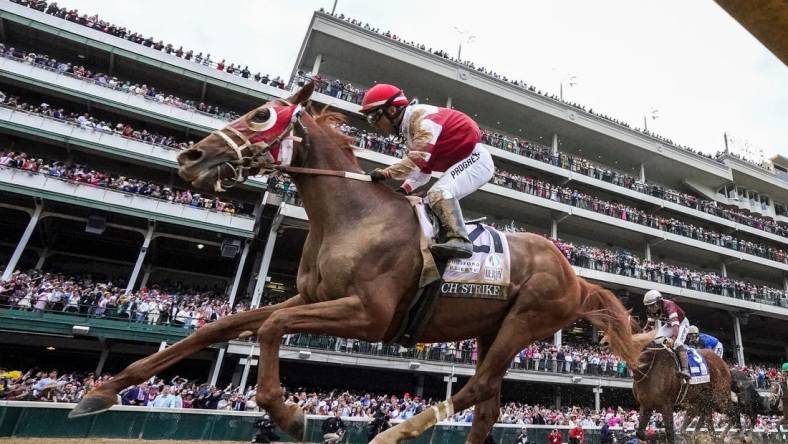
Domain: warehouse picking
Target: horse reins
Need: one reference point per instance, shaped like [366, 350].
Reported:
[244, 161]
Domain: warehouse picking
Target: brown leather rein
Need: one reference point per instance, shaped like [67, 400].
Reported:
[319, 172]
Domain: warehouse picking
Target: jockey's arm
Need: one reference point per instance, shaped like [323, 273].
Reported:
[675, 327]
[425, 134]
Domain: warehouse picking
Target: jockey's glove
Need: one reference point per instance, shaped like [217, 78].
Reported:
[377, 175]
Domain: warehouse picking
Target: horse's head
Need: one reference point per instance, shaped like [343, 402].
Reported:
[249, 145]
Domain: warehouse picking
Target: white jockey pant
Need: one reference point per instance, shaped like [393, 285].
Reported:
[718, 349]
[467, 175]
[666, 331]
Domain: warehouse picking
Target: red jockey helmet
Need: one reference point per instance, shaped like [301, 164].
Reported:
[380, 95]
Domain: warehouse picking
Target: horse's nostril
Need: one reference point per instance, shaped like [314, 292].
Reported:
[190, 156]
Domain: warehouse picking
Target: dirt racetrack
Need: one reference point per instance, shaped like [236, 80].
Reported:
[102, 441]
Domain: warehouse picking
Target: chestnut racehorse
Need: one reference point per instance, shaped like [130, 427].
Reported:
[360, 268]
[658, 388]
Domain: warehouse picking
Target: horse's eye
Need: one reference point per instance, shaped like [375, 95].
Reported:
[262, 115]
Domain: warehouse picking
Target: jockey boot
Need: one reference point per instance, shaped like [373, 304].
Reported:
[684, 361]
[457, 244]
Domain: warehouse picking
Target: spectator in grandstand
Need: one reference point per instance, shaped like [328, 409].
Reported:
[333, 428]
[167, 399]
[82, 174]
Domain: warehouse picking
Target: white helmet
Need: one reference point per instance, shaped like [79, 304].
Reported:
[693, 330]
[652, 297]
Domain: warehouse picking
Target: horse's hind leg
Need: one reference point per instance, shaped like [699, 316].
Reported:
[486, 412]
[224, 329]
[516, 332]
[347, 317]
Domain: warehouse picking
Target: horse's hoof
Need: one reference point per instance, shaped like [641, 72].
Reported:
[296, 426]
[92, 405]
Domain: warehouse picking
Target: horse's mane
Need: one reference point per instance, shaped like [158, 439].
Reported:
[329, 121]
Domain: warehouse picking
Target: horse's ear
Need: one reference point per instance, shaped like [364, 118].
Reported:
[303, 94]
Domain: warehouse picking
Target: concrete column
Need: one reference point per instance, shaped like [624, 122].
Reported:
[785, 283]
[558, 338]
[554, 229]
[238, 273]
[597, 398]
[723, 270]
[247, 365]
[216, 367]
[647, 252]
[140, 259]
[737, 344]
[594, 335]
[449, 380]
[448, 102]
[268, 252]
[146, 276]
[20, 247]
[42, 258]
[316, 65]
[419, 386]
[102, 360]
[643, 173]
[557, 391]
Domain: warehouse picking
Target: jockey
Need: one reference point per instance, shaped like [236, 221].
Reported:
[702, 340]
[676, 328]
[438, 139]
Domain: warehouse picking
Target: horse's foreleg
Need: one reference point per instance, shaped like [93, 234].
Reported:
[487, 412]
[644, 415]
[346, 318]
[667, 418]
[224, 329]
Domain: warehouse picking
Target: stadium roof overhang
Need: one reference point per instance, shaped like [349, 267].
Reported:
[350, 52]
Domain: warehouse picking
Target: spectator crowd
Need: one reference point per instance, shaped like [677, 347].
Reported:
[83, 174]
[94, 22]
[82, 72]
[337, 87]
[88, 122]
[87, 296]
[180, 393]
[624, 263]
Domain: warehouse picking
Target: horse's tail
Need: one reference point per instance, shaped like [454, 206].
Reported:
[603, 309]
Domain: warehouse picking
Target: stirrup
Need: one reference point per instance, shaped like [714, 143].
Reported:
[453, 250]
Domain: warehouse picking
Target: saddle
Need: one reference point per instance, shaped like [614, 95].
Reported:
[485, 275]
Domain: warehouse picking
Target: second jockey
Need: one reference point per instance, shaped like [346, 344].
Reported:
[675, 327]
[438, 139]
[702, 340]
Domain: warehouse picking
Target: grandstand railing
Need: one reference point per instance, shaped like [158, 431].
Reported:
[27, 419]
[441, 353]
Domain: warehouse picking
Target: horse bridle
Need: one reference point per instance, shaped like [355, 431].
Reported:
[245, 161]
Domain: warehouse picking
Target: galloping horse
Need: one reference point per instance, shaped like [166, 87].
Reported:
[360, 269]
[658, 387]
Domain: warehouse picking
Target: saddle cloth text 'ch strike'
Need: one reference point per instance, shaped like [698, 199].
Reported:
[484, 275]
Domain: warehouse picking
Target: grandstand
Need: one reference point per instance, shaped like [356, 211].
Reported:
[90, 124]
